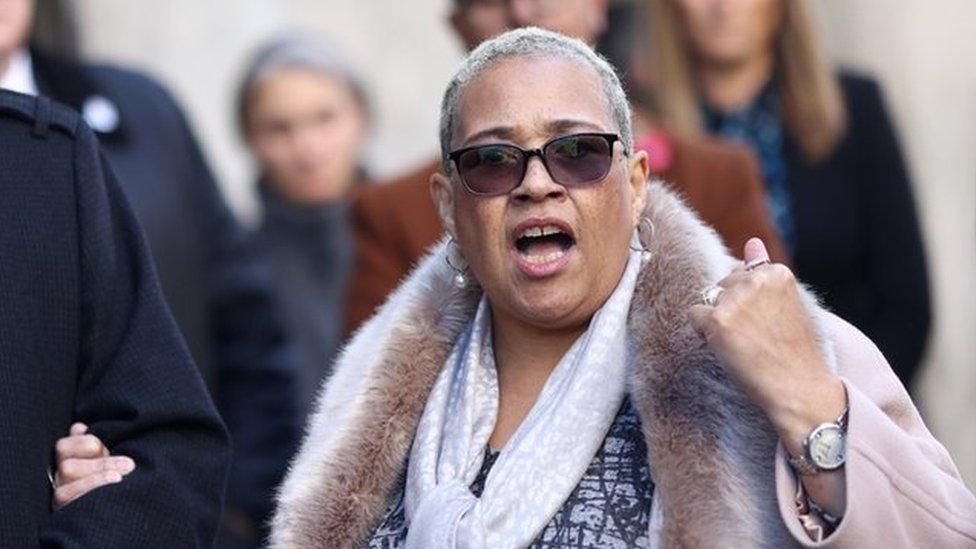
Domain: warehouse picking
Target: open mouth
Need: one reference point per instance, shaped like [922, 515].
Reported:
[543, 246]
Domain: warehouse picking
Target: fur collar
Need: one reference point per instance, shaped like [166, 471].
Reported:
[711, 451]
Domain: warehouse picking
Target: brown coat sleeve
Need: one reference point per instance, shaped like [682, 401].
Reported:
[721, 181]
[745, 215]
[378, 266]
[393, 224]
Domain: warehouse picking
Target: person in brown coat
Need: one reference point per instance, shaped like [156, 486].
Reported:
[395, 223]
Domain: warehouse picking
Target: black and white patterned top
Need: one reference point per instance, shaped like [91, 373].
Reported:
[610, 507]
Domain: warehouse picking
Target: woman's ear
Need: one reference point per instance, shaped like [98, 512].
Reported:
[442, 192]
[639, 172]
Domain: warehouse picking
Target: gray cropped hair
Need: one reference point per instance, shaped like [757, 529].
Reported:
[299, 51]
[532, 42]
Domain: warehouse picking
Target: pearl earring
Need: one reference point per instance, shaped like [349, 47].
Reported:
[460, 279]
[641, 239]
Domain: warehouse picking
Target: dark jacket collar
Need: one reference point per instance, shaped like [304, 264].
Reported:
[72, 83]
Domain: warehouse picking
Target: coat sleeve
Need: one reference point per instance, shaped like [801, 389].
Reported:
[137, 389]
[745, 214]
[903, 489]
[379, 265]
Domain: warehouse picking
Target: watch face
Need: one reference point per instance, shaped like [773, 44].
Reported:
[826, 447]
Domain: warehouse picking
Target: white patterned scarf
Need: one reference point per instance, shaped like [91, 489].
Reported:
[542, 463]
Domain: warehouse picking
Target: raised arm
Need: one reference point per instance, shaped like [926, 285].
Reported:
[894, 485]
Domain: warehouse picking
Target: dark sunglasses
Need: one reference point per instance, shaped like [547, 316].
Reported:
[571, 160]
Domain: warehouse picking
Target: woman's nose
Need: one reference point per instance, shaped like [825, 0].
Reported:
[538, 183]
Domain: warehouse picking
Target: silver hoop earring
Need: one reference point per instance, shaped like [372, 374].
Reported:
[644, 234]
[460, 274]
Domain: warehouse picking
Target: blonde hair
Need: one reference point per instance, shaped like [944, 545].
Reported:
[809, 93]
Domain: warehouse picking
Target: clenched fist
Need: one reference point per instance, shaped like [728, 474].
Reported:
[758, 328]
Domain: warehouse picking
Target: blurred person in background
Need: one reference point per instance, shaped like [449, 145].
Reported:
[213, 279]
[304, 113]
[754, 71]
[396, 223]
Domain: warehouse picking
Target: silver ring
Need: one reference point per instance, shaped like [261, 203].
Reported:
[757, 263]
[50, 478]
[710, 295]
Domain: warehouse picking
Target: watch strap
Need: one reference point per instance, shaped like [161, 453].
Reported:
[804, 466]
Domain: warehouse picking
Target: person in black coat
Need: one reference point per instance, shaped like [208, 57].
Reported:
[85, 335]
[836, 182]
[212, 274]
[854, 233]
[858, 240]
[211, 271]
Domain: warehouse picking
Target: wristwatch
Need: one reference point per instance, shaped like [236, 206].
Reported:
[824, 449]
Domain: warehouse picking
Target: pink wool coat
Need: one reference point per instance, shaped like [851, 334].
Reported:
[721, 476]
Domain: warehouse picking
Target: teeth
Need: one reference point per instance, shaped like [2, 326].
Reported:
[541, 231]
[548, 258]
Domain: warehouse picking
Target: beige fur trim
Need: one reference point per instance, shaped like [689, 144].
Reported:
[358, 440]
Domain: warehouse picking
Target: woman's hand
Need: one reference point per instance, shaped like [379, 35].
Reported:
[84, 464]
[760, 330]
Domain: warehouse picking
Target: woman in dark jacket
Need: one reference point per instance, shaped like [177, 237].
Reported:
[303, 112]
[836, 182]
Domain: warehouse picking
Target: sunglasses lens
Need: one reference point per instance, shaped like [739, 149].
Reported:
[493, 169]
[579, 159]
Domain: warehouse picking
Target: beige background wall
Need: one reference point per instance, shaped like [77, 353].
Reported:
[924, 52]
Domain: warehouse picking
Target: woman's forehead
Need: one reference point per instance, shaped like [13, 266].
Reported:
[533, 130]
[533, 96]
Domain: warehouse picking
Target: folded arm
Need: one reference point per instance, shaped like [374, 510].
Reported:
[137, 390]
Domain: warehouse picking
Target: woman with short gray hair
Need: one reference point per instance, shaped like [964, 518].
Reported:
[582, 364]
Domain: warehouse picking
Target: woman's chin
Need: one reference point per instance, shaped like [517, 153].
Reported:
[552, 308]
[546, 292]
